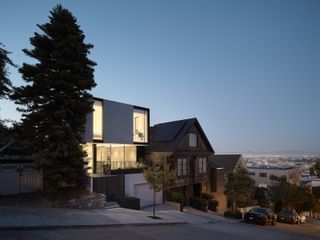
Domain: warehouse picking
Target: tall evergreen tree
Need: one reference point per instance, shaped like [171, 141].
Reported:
[5, 83]
[56, 100]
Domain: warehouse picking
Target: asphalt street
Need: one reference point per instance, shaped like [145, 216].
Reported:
[218, 230]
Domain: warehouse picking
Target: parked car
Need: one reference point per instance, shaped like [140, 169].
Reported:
[288, 216]
[302, 218]
[260, 215]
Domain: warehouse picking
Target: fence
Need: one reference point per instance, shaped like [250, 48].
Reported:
[19, 178]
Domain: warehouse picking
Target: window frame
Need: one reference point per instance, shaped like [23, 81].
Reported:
[182, 167]
[263, 174]
[202, 165]
[95, 136]
[192, 140]
[146, 127]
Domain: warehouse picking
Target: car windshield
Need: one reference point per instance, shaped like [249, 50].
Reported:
[259, 210]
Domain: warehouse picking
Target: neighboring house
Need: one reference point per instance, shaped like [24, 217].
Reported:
[219, 167]
[261, 175]
[185, 146]
[116, 134]
[17, 170]
[229, 162]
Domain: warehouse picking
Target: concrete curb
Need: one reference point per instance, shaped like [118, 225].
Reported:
[85, 226]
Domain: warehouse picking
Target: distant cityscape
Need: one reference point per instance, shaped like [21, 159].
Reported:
[282, 160]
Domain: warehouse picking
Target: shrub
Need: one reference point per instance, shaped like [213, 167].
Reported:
[129, 202]
[213, 204]
[207, 196]
[230, 214]
[199, 203]
[176, 197]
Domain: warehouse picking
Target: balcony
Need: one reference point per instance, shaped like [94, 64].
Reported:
[108, 168]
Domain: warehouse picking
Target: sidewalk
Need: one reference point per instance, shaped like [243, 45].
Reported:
[16, 218]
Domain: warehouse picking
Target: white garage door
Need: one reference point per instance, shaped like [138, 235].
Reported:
[145, 194]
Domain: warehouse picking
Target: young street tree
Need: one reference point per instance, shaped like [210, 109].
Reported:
[239, 188]
[56, 100]
[158, 176]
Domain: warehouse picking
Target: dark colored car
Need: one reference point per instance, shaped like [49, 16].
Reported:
[260, 215]
[288, 216]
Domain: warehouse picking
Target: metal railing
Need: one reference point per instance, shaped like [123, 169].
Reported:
[105, 167]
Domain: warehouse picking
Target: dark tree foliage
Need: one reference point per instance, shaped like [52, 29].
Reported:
[56, 100]
[286, 195]
[239, 188]
[315, 169]
[5, 83]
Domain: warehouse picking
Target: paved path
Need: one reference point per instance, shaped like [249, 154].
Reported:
[30, 217]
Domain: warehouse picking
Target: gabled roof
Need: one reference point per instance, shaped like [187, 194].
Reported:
[226, 161]
[166, 137]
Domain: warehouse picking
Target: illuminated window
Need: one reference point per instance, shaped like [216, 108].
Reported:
[97, 120]
[193, 141]
[140, 125]
[202, 165]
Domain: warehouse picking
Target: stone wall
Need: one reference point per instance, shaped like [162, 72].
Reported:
[92, 201]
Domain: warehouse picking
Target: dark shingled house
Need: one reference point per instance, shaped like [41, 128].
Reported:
[185, 146]
[229, 162]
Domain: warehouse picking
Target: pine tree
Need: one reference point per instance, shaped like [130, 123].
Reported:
[5, 83]
[56, 100]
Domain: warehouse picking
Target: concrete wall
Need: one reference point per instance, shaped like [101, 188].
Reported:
[117, 123]
[137, 186]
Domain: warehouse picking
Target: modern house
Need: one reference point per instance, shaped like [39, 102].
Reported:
[261, 175]
[17, 169]
[184, 145]
[116, 134]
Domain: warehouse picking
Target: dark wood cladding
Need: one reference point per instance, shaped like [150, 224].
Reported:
[111, 185]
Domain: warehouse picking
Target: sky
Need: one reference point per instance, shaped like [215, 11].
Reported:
[248, 70]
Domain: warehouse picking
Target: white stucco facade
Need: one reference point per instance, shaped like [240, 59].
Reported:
[261, 176]
[137, 186]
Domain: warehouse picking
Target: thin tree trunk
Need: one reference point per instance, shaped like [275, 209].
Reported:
[154, 203]
[234, 206]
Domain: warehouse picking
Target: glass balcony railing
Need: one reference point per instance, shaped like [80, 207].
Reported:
[105, 167]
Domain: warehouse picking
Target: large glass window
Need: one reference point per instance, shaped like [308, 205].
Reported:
[140, 125]
[97, 120]
[115, 156]
[182, 169]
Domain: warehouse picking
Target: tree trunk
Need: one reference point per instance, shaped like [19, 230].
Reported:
[233, 206]
[154, 203]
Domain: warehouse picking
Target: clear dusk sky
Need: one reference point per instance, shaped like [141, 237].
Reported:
[248, 70]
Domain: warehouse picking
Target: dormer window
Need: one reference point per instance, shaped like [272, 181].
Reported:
[193, 140]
